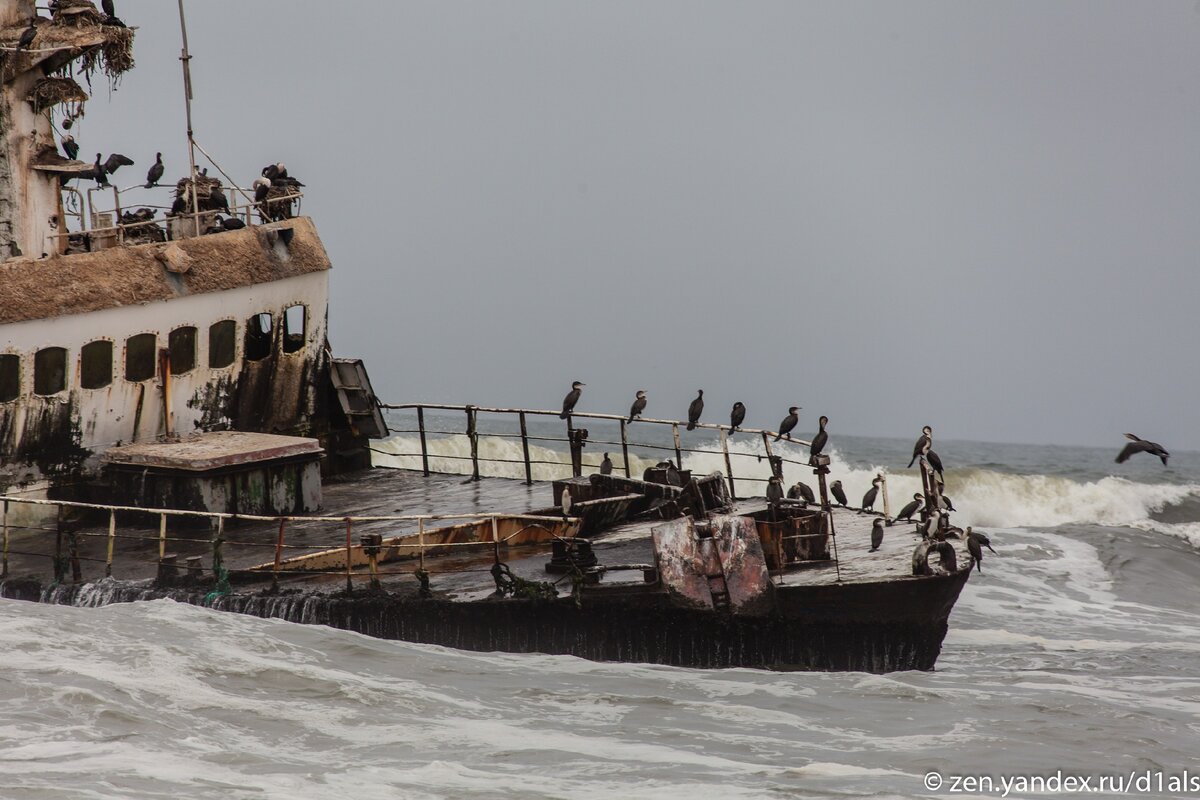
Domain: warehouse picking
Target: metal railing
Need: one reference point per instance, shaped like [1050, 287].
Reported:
[66, 553]
[576, 442]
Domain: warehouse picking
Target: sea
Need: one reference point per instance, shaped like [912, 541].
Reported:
[1073, 660]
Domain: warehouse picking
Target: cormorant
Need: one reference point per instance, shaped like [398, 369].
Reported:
[789, 422]
[876, 533]
[156, 171]
[774, 490]
[262, 187]
[27, 35]
[217, 199]
[910, 509]
[1137, 445]
[801, 491]
[929, 527]
[923, 444]
[934, 460]
[107, 7]
[948, 557]
[232, 224]
[606, 465]
[639, 405]
[270, 172]
[946, 502]
[975, 544]
[868, 503]
[920, 559]
[838, 494]
[115, 162]
[818, 443]
[736, 416]
[70, 147]
[571, 399]
[97, 173]
[695, 410]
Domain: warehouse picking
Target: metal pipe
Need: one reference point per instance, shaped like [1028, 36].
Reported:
[112, 538]
[278, 555]
[728, 463]
[678, 453]
[525, 451]
[625, 448]
[473, 435]
[4, 562]
[424, 449]
[349, 560]
[186, 57]
[162, 536]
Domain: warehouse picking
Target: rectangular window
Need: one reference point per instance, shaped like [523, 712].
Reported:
[221, 339]
[141, 353]
[258, 337]
[96, 364]
[10, 377]
[182, 344]
[50, 370]
[294, 320]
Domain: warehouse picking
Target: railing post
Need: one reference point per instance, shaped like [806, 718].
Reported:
[495, 531]
[278, 555]
[827, 511]
[218, 540]
[728, 463]
[60, 567]
[625, 449]
[473, 436]
[576, 450]
[771, 456]
[4, 563]
[162, 536]
[112, 537]
[923, 466]
[887, 506]
[349, 560]
[525, 451]
[421, 541]
[424, 450]
[678, 450]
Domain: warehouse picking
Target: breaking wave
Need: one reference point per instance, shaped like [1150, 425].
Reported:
[982, 497]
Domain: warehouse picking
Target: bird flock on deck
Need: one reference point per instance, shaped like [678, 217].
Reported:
[929, 512]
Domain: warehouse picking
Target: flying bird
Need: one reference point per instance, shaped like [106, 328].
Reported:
[789, 422]
[156, 171]
[639, 405]
[838, 494]
[737, 416]
[868, 503]
[695, 410]
[571, 399]
[876, 533]
[1137, 445]
[818, 443]
[923, 444]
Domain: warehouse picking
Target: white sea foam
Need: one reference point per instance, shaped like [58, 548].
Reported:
[984, 498]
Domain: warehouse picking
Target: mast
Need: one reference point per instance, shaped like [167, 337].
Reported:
[186, 58]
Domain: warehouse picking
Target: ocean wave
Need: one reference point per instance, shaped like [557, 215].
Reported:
[983, 497]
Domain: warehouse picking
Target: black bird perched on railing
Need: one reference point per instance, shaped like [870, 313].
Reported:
[876, 533]
[1137, 445]
[96, 173]
[217, 200]
[737, 416]
[571, 399]
[789, 422]
[774, 490]
[639, 405]
[818, 443]
[975, 544]
[695, 410]
[868, 503]
[838, 494]
[801, 491]
[923, 444]
[156, 171]
[27, 35]
[70, 147]
[606, 466]
[910, 509]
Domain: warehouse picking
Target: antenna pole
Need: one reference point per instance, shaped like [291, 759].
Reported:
[186, 58]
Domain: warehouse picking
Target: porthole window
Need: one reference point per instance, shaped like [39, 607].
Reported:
[295, 318]
[50, 370]
[258, 337]
[96, 364]
[222, 336]
[141, 351]
[182, 345]
[10, 377]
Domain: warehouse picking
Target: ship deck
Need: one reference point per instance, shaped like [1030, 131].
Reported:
[465, 575]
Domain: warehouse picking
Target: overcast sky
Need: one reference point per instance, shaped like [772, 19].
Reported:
[981, 216]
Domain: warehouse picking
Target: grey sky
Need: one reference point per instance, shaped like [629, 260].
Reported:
[981, 216]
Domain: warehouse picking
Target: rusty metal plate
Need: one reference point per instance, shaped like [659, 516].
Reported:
[726, 570]
[682, 566]
[745, 566]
